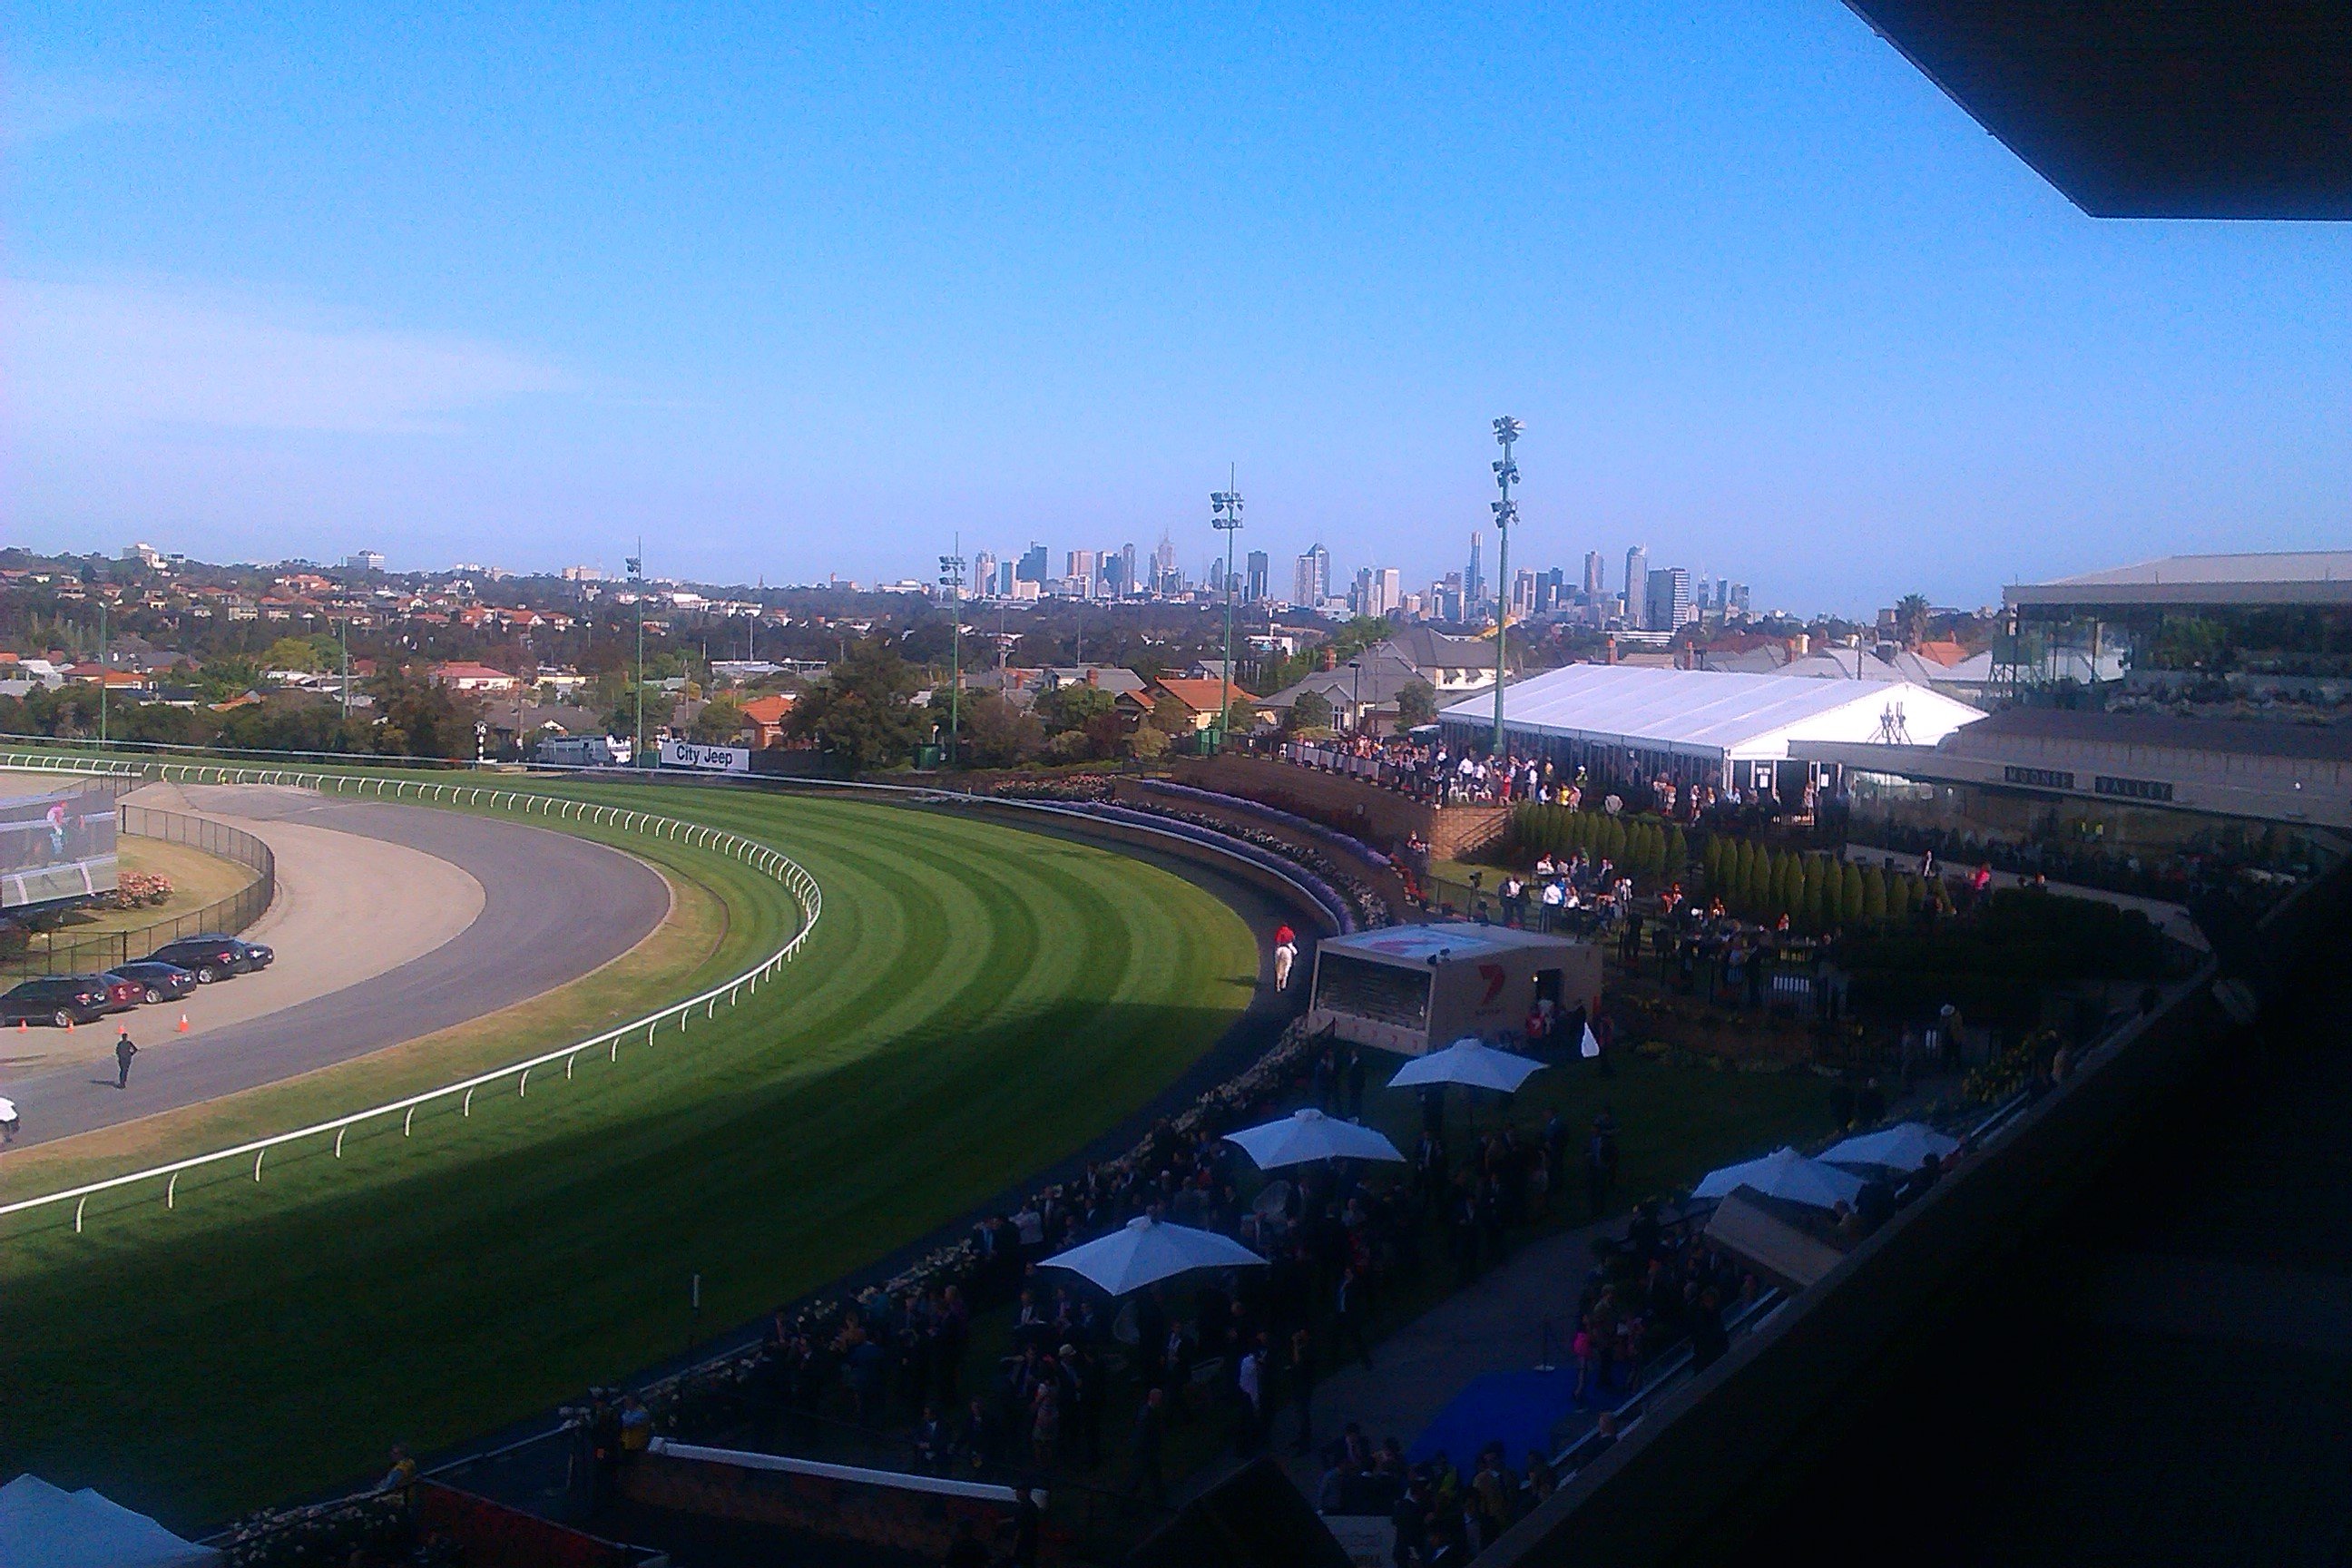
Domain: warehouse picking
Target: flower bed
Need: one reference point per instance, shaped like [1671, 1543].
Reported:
[1069, 788]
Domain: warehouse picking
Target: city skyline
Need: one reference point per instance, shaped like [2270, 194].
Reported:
[267, 299]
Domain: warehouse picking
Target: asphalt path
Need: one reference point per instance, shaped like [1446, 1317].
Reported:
[554, 907]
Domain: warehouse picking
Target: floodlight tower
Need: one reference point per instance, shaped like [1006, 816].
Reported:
[636, 565]
[1506, 513]
[1225, 516]
[951, 579]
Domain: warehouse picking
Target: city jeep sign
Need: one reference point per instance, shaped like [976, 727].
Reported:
[706, 759]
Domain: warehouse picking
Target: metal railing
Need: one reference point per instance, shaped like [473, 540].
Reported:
[803, 887]
[106, 949]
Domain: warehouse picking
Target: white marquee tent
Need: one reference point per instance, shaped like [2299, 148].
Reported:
[42, 1526]
[1703, 724]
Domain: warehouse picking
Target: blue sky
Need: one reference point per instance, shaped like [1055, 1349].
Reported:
[799, 290]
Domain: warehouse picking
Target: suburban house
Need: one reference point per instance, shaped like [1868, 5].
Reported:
[1196, 701]
[764, 717]
[1363, 692]
[461, 676]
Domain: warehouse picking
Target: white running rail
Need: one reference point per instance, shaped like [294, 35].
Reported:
[803, 887]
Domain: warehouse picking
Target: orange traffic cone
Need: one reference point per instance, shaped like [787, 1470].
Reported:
[69, 1026]
[21, 1026]
[184, 1023]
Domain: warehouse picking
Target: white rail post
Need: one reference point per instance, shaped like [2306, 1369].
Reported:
[78, 1208]
[339, 1140]
[406, 1119]
[522, 1088]
[467, 1109]
[258, 1154]
[172, 1192]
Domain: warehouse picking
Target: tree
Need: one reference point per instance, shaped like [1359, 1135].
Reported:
[863, 713]
[423, 721]
[1852, 899]
[1073, 707]
[1310, 710]
[1148, 743]
[996, 734]
[1911, 612]
[293, 653]
[1873, 896]
[721, 721]
[1416, 704]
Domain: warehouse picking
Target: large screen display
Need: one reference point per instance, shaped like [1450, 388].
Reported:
[55, 846]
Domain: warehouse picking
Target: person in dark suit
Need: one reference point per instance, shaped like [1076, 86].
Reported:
[123, 1051]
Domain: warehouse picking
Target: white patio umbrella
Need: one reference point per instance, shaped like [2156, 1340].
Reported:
[1305, 1136]
[1899, 1148]
[1468, 1061]
[1145, 1251]
[1784, 1174]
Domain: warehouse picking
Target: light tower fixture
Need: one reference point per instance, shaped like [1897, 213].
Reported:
[1225, 516]
[951, 579]
[636, 565]
[1506, 513]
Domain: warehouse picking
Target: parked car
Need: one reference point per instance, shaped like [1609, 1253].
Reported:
[213, 956]
[124, 994]
[157, 982]
[60, 999]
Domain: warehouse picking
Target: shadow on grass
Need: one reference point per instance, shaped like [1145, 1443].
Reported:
[258, 1343]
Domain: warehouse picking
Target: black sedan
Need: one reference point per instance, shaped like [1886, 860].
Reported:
[213, 956]
[157, 982]
[60, 999]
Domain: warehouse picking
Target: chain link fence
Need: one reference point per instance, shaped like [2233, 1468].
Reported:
[62, 953]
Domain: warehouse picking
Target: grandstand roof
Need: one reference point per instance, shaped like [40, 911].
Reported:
[2251, 580]
[2228, 109]
[1708, 713]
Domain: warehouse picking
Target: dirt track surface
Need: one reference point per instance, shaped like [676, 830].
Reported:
[393, 922]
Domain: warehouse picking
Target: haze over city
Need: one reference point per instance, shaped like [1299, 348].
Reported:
[802, 295]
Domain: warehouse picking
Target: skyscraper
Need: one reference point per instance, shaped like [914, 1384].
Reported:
[1474, 585]
[1163, 565]
[1668, 602]
[1311, 584]
[983, 575]
[1596, 575]
[1127, 578]
[1637, 579]
[1033, 567]
[1258, 586]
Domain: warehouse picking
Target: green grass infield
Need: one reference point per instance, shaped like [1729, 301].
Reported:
[976, 1003]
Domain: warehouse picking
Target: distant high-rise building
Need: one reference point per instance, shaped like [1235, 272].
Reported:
[1378, 590]
[1739, 598]
[1596, 575]
[1474, 585]
[1004, 578]
[1164, 578]
[1256, 586]
[1311, 581]
[1033, 567]
[357, 560]
[1551, 590]
[1080, 569]
[1128, 583]
[1637, 577]
[1523, 592]
[983, 575]
[1667, 605]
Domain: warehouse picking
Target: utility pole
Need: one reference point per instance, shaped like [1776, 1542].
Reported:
[1225, 516]
[1506, 513]
[637, 583]
[951, 579]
